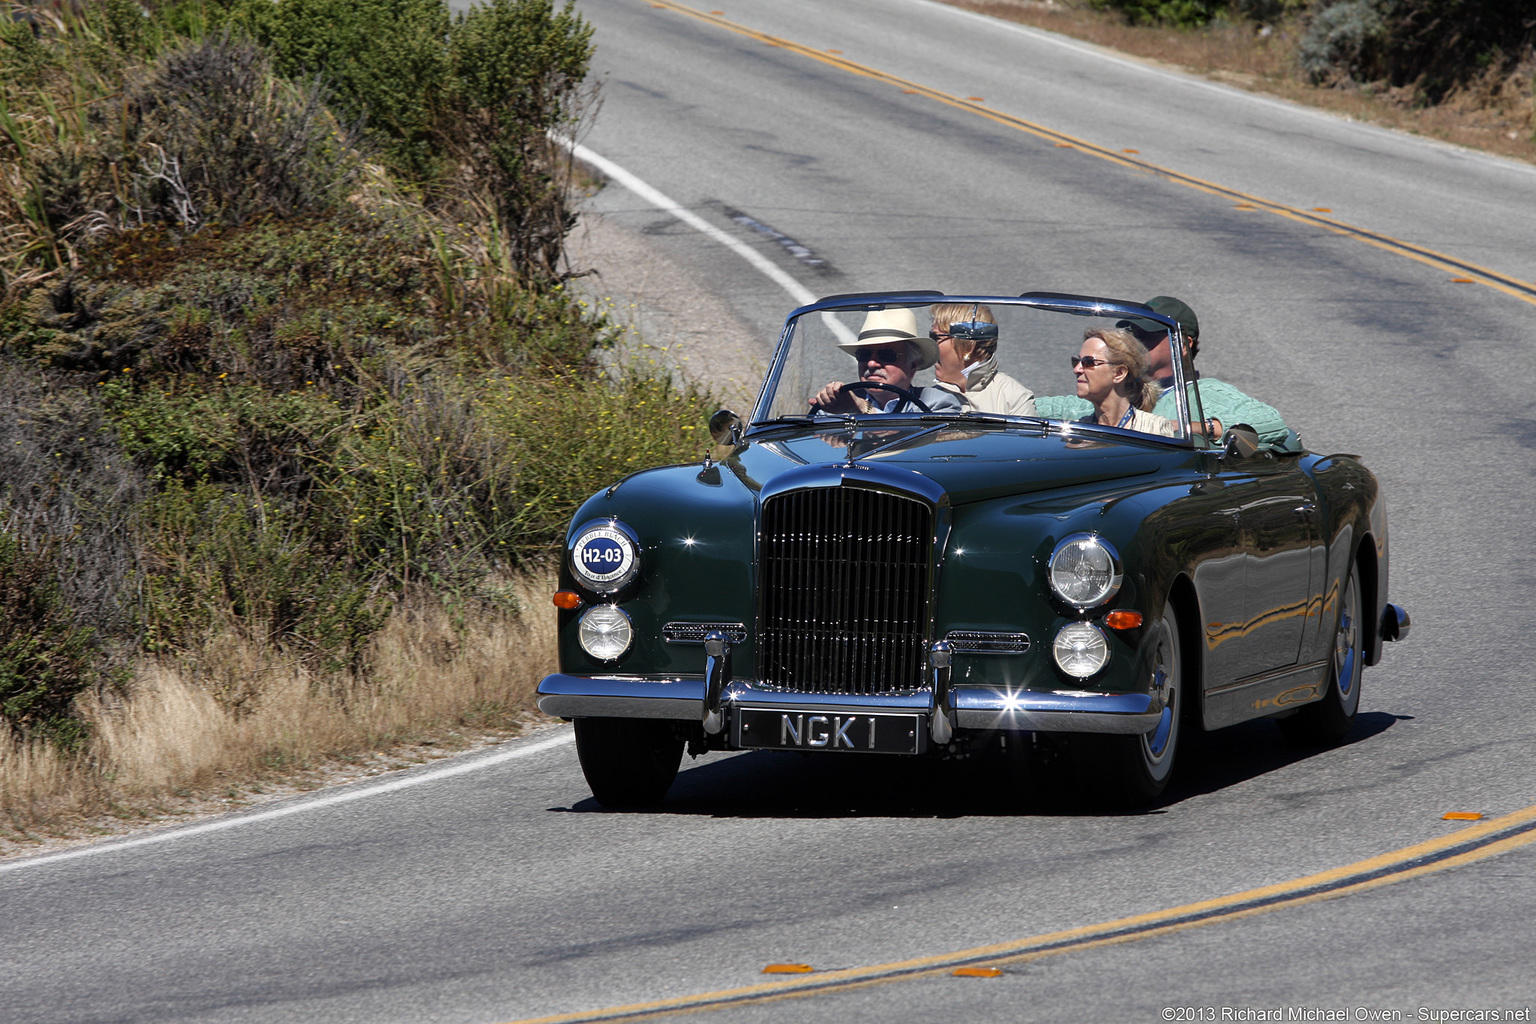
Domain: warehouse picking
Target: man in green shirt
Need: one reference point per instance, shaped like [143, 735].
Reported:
[1222, 404]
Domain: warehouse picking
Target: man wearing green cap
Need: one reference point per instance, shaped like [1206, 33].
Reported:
[1222, 404]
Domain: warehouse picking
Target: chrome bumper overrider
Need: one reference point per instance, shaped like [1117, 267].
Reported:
[1395, 623]
[686, 699]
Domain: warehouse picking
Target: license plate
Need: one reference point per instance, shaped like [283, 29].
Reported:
[840, 731]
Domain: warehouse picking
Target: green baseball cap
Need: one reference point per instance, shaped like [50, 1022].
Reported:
[1172, 308]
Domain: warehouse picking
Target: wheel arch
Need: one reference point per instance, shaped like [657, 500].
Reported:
[1368, 571]
[1186, 605]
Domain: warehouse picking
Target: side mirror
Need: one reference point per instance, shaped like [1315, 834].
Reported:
[1239, 442]
[726, 428]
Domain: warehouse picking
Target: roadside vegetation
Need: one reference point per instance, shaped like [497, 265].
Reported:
[295, 400]
[1459, 70]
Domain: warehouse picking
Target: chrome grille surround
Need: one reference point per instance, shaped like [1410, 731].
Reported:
[845, 574]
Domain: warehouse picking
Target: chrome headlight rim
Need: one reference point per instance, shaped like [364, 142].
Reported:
[604, 555]
[605, 632]
[1078, 545]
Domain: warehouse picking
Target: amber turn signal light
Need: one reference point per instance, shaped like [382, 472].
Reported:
[1122, 618]
[567, 599]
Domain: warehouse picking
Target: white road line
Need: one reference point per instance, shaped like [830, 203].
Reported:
[344, 796]
[656, 198]
[796, 290]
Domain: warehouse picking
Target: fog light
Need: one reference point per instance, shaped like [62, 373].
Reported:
[1080, 649]
[605, 632]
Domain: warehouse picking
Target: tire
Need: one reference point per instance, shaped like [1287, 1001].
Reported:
[1136, 769]
[1326, 722]
[628, 761]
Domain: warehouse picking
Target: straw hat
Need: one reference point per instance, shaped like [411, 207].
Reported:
[883, 326]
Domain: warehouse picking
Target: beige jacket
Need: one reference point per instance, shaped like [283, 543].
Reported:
[988, 390]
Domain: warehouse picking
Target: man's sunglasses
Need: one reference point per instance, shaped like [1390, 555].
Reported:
[887, 356]
[1089, 362]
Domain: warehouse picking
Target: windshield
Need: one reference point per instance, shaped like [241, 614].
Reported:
[982, 358]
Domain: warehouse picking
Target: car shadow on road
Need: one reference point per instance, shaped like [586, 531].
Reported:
[771, 784]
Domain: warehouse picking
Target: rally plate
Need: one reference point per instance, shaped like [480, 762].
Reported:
[842, 731]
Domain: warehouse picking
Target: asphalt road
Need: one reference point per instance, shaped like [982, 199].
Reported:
[503, 892]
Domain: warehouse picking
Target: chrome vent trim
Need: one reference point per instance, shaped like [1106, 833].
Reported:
[694, 632]
[844, 590]
[969, 641]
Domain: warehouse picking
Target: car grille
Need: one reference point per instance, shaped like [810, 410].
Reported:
[845, 580]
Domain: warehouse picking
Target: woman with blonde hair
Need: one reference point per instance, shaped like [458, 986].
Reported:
[1112, 373]
[966, 336]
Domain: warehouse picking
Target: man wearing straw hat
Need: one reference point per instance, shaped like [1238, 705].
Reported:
[889, 351]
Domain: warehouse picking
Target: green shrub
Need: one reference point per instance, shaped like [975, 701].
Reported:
[221, 562]
[1433, 45]
[46, 658]
[385, 61]
[67, 488]
[253, 387]
[517, 72]
[464, 104]
[1344, 40]
[1180, 13]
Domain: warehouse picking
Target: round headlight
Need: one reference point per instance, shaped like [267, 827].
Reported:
[1080, 649]
[1084, 570]
[605, 632]
[605, 556]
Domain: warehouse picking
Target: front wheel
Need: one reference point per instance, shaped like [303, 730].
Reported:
[628, 761]
[1326, 722]
[1136, 769]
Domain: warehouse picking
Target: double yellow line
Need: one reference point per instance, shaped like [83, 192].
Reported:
[1463, 271]
[1465, 846]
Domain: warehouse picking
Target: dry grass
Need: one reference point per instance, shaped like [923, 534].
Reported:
[176, 744]
[1497, 115]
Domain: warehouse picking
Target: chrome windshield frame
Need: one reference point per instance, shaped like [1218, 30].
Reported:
[1075, 305]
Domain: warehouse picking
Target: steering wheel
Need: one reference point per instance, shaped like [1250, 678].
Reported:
[875, 385]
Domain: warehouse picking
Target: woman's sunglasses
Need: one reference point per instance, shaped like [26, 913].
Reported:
[1089, 362]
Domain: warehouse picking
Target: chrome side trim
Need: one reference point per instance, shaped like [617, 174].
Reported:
[621, 697]
[695, 632]
[971, 641]
[1395, 623]
[986, 707]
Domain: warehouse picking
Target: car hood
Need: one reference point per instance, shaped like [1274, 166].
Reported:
[969, 463]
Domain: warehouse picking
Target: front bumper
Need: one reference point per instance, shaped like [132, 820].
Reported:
[970, 707]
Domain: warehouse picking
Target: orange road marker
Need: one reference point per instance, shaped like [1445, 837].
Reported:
[788, 969]
[977, 972]
[975, 99]
[1322, 209]
[1461, 816]
[1137, 151]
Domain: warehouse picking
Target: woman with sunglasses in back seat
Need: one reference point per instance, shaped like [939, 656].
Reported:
[1112, 373]
[966, 336]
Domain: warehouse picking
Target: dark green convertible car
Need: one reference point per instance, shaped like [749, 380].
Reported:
[887, 566]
